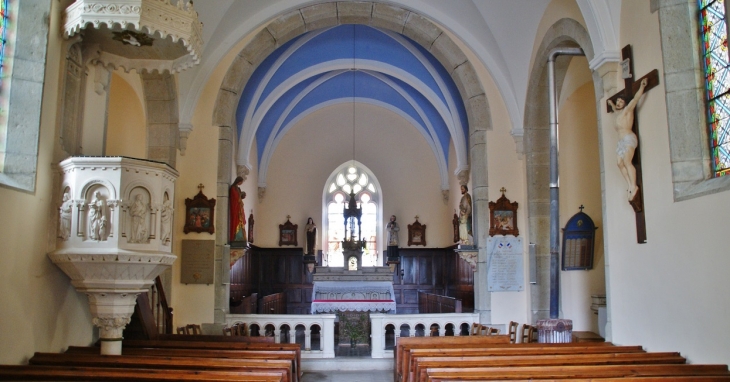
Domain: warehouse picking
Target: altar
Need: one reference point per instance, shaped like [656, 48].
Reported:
[355, 296]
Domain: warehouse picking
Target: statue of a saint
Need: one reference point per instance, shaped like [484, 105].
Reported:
[65, 217]
[627, 140]
[311, 231]
[465, 233]
[165, 220]
[138, 212]
[236, 214]
[97, 220]
[393, 229]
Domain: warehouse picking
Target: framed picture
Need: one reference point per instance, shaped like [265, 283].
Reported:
[416, 234]
[199, 214]
[503, 217]
[288, 233]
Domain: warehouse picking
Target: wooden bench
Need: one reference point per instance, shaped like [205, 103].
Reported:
[79, 373]
[227, 343]
[517, 349]
[209, 338]
[404, 344]
[161, 362]
[574, 372]
[289, 356]
[424, 363]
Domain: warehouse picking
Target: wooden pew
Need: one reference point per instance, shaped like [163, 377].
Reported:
[521, 349]
[210, 338]
[229, 343]
[79, 373]
[404, 344]
[567, 372]
[424, 363]
[162, 362]
[285, 355]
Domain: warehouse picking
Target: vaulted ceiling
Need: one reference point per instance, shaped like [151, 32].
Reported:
[351, 64]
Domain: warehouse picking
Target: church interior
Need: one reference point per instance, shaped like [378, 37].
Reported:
[398, 103]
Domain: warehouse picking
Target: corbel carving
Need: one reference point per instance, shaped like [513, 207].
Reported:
[184, 130]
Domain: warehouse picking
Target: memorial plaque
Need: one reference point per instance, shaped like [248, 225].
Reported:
[505, 264]
[197, 261]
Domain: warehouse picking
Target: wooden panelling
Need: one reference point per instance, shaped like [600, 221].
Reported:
[280, 270]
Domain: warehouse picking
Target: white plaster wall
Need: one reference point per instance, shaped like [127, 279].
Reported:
[93, 136]
[506, 169]
[580, 184]
[388, 145]
[193, 304]
[670, 293]
[41, 310]
[127, 127]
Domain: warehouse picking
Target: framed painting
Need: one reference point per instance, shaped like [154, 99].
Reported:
[199, 214]
[288, 233]
[503, 217]
[416, 234]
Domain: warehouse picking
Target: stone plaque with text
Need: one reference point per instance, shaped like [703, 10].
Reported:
[197, 261]
[505, 263]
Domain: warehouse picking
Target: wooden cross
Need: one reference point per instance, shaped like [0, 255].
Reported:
[630, 89]
[200, 188]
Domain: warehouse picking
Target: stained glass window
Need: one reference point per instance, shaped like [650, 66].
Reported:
[713, 31]
[351, 178]
[6, 24]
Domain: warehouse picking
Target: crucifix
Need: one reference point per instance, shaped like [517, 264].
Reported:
[623, 104]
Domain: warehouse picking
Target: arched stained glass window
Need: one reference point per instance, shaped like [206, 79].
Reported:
[6, 34]
[714, 33]
[347, 178]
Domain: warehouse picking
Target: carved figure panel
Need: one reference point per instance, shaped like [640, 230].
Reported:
[139, 211]
[65, 211]
[98, 215]
[166, 220]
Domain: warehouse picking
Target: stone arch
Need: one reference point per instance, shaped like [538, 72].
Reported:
[423, 31]
[565, 32]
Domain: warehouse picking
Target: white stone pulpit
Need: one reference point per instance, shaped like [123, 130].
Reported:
[114, 234]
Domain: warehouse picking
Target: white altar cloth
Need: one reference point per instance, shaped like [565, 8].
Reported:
[362, 296]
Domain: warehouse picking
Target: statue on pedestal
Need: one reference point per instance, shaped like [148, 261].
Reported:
[393, 229]
[465, 233]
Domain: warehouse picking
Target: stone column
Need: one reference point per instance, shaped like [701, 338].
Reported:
[480, 218]
[222, 277]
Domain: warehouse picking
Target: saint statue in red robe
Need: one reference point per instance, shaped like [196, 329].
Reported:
[236, 214]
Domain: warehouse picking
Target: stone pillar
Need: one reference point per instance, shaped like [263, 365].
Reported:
[480, 218]
[162, 117]
[222, 278]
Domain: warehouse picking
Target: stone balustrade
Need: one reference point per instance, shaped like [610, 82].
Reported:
[293, 328]
[317, 332]
[415, 325]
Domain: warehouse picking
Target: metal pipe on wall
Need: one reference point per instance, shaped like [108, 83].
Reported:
[554, 180]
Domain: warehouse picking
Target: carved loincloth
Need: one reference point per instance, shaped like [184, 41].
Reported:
[624, 143]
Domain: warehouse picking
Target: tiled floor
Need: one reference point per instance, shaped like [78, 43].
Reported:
[348, 376]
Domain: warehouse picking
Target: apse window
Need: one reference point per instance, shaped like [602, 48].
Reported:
[716, 64]
[351, 179]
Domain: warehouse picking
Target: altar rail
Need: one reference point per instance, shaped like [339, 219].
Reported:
[316, 333]
[415, 325]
